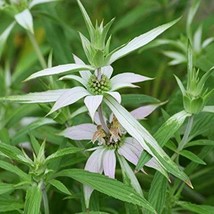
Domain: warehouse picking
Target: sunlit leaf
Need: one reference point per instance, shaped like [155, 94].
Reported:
[60, 69]
[25, 19]
[139, 42]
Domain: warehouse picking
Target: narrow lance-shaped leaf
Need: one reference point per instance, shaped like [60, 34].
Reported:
[33, 200]
[139, 41]
[173, 124]
[208, 109]
[180, 84]
[34, 125]
[87, 19]
[193, 9]
[128, 172]
[9, 204]
[36, 97]
[14, 169]
[4, 36]
[60, 69]
[157, 192]
[25, 19]
[10, 151]
[196, 208]
[200, 143]
[60, 186]
[136, 130]
[163, 135]
[107, 186]
[63, 152]
[191, 156]
[4, 188]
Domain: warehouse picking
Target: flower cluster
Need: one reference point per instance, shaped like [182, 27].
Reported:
[122, 135]
[111, 143]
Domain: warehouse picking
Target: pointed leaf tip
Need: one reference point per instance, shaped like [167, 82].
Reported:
[139, 41]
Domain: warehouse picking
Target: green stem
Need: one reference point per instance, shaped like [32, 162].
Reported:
[181, 145]
[37, 50]
[45, 199]
[99, 74]
[184, 140]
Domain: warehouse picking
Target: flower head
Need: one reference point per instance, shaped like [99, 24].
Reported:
[110, 145]
[95, 86]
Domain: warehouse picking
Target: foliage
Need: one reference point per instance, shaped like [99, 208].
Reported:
[73, 106]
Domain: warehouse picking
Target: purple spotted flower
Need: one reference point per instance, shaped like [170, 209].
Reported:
[111, 144]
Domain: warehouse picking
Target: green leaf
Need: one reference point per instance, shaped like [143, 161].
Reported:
[128, 173]
[139, 42]
[4, 36]
[87, 19]
[157, 192]
[35, 97]
[136, 130]
[191, 14]
[35, 144]
[200, 143]
[94, 212]
[135, 100]
[107, 186]
[191, 156]
[173, 124]
[4, 188]
[33, 200]
[17, 114]
[25, 20]
[60, 186]
[10, 151]
[63, 152]
[180, 84]
[9, 204]
[144, 158]
[60, 69]
[199, 209]
[14, 169]
[34, 125]
[208, 109]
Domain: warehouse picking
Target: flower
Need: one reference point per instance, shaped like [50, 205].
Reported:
[95, 86]
[110, 145]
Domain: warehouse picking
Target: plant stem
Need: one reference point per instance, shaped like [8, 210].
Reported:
[184, 140]
[37, 50]
[99, 74]
[45, 199]
[102, 120]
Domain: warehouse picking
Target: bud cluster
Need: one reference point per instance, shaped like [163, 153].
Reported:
[96, 86]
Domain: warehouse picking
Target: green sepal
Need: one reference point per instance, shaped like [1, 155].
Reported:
[193, 105]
